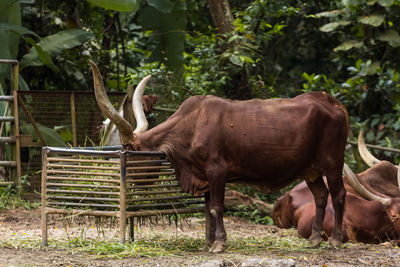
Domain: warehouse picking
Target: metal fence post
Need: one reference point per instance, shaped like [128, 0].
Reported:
[43, 210]
[122, 198]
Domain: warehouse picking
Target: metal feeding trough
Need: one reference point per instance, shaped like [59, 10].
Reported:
[121, 184]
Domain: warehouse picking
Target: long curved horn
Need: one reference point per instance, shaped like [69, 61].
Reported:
[360, 189]
[125, 129]
[368, 158]
[137, 105]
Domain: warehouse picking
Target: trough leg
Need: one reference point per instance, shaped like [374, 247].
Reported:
[338, 193]
[44, 227]
[320, 193]
[132, 228]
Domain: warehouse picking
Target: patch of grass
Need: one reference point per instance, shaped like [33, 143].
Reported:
[159, 245]
[11, 198]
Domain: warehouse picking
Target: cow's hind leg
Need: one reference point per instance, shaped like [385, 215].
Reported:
[320, 193]
[338, 193]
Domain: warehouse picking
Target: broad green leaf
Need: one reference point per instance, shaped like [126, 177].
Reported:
[329, 14]
[17, 29]
[164, 6]
[117, 5]
[347, 45]
[236, 60]
[55, 44]
[45, 57]
[333, 25]
[10, 13]
[372, 68]
[385, 3]
[51, 137]
[373, 19]
[351, 2]
[390, 36]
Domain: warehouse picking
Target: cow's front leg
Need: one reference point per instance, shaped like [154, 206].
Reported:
[210, 234]
[320, 193]
[216, 205]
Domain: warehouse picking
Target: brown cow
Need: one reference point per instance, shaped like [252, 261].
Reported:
[364, 220]
[265, 143]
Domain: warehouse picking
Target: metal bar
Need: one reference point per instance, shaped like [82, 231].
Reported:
[142, 193]
[111, 162]
[5, 113]
[161, 198]
[82, 204]
[147, 161]
[83, 185]
[152, 186]
[15, 70]
[146, 213]
[139, 174]
[83, 167]
[9, 61]
[31, 120]
[44, 92]
[150, 180]
[83, 173]
[164, 109]
[376, 147]
[81, 199]
[76, 212]
[8, 163]
[122, 202]
[60, 191]
[58, 178]
[132, 229]
[72, 151]
[144, 153]
[73, 119]
[159, 205]
[7, 119]
[10, 139]
[43, 221]
[6, 98]
[148, 168]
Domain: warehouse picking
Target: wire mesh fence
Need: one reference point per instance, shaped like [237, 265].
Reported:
[75, 116]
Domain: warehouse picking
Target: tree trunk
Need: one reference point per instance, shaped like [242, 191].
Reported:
[221, 15]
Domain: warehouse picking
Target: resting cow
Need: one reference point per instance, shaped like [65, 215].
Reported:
[371, 212]
[264, 143]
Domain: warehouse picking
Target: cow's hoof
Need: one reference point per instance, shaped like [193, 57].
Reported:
[218, 247]
[315, 240]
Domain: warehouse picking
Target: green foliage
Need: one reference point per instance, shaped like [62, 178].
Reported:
[117, 5]
[53, 45]
[11, 198]
[251, 214]
[366, 57]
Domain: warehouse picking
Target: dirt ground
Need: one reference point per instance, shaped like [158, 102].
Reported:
[24, 223]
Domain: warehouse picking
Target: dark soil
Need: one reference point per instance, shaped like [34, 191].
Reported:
[27, 223]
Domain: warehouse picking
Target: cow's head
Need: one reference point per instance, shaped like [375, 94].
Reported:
[391, 205]
[128, 135]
